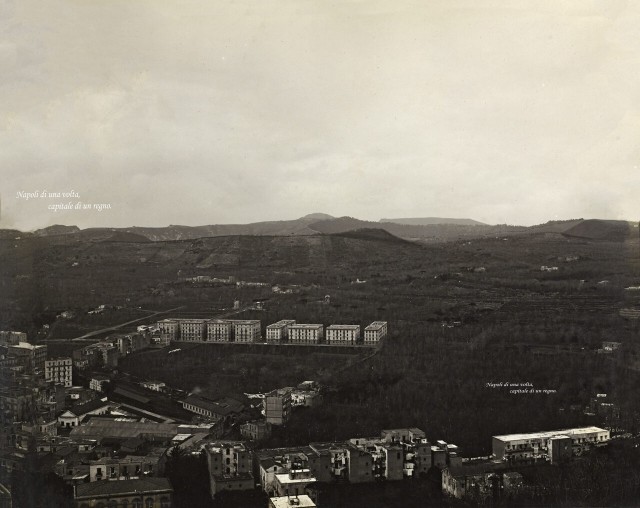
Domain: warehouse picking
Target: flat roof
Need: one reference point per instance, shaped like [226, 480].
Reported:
[306, 325]
[245, 321]
[550, 433]
[286, 479]
[282, 323]
[343, 327]
[301, 501]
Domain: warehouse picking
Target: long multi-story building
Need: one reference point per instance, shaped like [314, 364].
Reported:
[375, 332]
[535, 446]
[59, 370]
[219, 330]
[192, 330]
[345, 335]
[305, 333]
[278, 332]
[246, 330]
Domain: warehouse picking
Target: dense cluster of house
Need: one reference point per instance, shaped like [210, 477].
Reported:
[286, 331]
[111, 440]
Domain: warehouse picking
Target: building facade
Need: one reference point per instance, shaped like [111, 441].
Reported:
[169, 331]
[535, 446]
[277, 406]
[248, 330]
[375, 332]
[59, 371]
[219, 330]
[230, 466]
[192, 330]
[343, 335]
[305, 333]
[279, 332]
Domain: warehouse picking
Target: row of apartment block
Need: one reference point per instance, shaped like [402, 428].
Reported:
[209, 330]
[287, 330]
[394, 455]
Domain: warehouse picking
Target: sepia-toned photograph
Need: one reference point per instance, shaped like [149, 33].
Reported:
[319, 253]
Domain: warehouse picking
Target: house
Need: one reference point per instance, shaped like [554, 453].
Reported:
[256, 430]
[142, 492]
[610, 346]
[74, 416]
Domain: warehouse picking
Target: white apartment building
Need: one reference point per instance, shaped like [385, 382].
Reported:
[219, 330]
[343, 334]
[523, 447]
[305, 333]
[192, 330]
[277, 332]
[375, 332]
[59, 371]
[247, 330]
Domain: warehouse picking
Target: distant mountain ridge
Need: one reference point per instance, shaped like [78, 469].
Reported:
[324, 224]
[430, 221]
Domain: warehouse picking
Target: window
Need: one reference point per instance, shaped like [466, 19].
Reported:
[149, 503]
[137, 503]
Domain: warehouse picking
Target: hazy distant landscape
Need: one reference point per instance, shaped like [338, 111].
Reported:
[463, 312]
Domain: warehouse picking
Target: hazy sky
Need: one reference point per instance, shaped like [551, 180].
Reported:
[184, 112]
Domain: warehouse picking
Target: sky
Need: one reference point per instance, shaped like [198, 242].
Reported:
[196, 113]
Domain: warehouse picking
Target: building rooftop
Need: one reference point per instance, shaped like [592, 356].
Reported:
[28, 345]
[245, 321]
[123, 429]
[285, 479]
[343, 327]
[550, 433]
[282, 323]
[301, 501]
[221, 407]
[92, 405]
[123, 487]
[306, 326]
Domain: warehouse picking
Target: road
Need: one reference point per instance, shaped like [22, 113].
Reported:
[115, 327]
